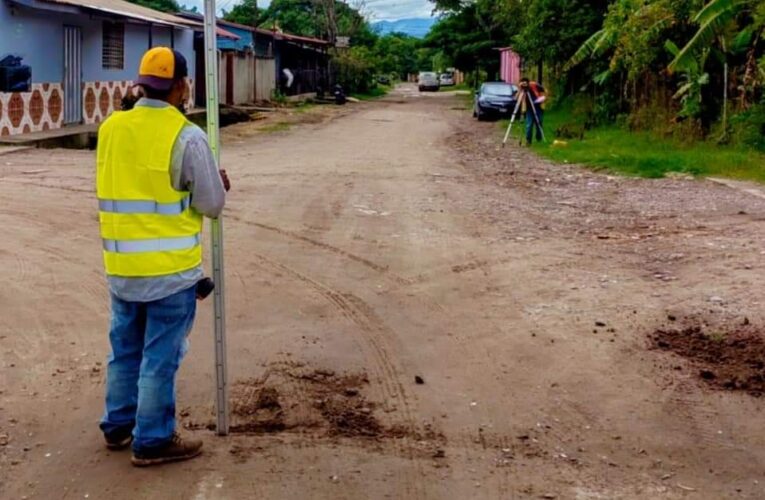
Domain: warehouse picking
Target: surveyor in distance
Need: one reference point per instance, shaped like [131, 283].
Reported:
[156, 179]
[533, 105]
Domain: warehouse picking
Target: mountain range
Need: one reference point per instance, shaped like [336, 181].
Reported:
[417, 27]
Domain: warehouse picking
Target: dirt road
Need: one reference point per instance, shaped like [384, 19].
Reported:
[412, 314]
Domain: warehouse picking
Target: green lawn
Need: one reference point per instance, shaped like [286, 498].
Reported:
[643, 154]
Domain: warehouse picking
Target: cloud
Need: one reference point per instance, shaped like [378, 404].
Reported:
[376, 9]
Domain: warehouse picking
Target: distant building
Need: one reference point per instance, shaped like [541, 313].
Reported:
[252, 61]
[83, 56]
[509, 66]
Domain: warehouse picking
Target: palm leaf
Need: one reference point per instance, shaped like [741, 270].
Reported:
[703, 37]
[586, 50]
[717, 8]
[742, 40]
[671, 48]
[603, 77]
[684, 89]
[606, 40]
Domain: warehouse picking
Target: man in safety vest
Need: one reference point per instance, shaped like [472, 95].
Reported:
[156, 179]
[535, 95]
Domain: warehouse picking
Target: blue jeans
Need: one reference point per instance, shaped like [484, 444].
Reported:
[148, 342]
[531, 125]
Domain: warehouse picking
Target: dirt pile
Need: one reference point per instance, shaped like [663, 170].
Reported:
[729, 356]
[259, 411]
[290, 397]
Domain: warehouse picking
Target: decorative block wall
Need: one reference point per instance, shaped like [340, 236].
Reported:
[100, 99]
[24, 112]
[43, 107]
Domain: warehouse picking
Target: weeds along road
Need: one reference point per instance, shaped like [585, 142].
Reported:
[412, 314]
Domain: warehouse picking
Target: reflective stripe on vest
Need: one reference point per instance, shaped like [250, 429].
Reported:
[152, 245]
[144, 206]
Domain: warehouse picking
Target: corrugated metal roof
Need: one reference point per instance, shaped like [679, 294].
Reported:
[199, 20]
[131, 10]
[279, 35]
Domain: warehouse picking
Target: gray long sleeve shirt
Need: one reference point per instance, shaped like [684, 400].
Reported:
[192, 169]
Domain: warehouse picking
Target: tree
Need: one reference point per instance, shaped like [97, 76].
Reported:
[299, 17]
[554, 29]
[397, 53]
[713, 20]
[246, 13]
[160, 5]
[324, 19]
[468, 38]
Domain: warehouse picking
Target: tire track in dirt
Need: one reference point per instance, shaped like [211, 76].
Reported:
[399, 281]
[480, 264]
[687, 405]
[373, 332]
[385, 270]
[50, 186]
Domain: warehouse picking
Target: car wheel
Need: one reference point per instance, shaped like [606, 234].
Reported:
[480, 114]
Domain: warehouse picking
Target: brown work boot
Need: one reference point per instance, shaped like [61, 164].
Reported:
[175, 450]
[119, 440]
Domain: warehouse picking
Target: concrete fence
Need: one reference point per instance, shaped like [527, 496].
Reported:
[245, 78]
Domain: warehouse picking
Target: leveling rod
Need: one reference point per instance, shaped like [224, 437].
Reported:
[216, 225]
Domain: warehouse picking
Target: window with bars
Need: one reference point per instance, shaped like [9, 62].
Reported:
[113, 47]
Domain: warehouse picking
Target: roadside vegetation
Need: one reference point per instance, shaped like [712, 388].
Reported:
[642, 87]
[645, 153]
[375, 92]
[275, 127]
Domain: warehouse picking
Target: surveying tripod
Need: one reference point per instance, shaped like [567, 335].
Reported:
[523, 94]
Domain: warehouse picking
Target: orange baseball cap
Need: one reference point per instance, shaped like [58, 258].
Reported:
[160, 67]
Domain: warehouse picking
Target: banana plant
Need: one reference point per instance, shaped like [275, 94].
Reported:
[693, 79]
[712, 20]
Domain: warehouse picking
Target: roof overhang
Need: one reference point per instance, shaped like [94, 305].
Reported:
[113, 7]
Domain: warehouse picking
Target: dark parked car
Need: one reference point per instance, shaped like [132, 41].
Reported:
[494, 100]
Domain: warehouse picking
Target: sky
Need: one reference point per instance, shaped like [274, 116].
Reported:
[377, 10]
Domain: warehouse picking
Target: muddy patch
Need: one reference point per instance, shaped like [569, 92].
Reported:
[727, 355]
[319, 402]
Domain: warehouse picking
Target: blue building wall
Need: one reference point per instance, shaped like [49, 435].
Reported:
[184, 43]
[245, 39]
[161, 37]
[37, 36]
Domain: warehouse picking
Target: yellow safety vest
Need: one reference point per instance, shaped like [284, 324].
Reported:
[147, 227]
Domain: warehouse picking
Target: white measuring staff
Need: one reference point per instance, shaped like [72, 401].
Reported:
[216, 225]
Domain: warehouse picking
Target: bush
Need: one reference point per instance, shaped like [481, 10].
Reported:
[475, 79]
[749, 127]
[354, 70]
